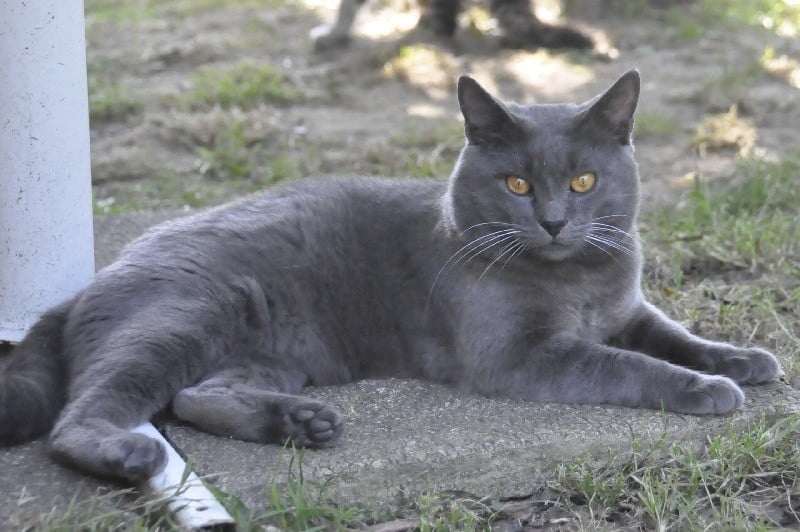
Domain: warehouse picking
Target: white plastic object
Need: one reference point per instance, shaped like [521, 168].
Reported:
[188, 499]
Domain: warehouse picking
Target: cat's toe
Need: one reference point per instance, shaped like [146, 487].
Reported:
[313, 423]
[751, 366]
[709, 394]
[134, 456]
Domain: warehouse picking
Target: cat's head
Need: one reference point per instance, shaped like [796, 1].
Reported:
[549, 181]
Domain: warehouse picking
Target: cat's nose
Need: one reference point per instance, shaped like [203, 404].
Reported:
[553, 227]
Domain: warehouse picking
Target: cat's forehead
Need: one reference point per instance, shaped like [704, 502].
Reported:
[546, 118]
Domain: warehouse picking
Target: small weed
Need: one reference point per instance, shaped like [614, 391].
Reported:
[110, 205]
[118, 510]
[245, 85]
[450, 511]
[427, 152]
[227, 156]
[726, 131]
[295, 502]
[654, 125]
[781, 66]
[412, 61]
[110, 101]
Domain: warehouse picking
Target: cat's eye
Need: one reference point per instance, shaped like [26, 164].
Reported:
[517, 185]
[583, 182]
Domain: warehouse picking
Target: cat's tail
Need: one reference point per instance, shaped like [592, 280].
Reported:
[32, 383]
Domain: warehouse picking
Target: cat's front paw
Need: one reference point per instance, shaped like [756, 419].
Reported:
[750, 366]
[708, 394]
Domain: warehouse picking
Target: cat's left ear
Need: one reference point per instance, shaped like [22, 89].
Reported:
[613, 111]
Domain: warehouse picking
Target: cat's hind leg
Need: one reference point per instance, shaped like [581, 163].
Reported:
[257, 406]
[93, 430]
[124, 383]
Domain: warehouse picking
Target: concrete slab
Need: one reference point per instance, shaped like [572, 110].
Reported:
[422, 437]
[400, 433]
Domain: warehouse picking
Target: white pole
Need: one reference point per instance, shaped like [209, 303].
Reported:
[46, 240]
[46, 243]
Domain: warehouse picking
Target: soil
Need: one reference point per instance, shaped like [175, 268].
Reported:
[372, 108]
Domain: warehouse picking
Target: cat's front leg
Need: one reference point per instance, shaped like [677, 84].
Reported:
[651, 332]
[565, 369]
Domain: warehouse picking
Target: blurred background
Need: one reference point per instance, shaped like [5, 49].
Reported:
[194, 102]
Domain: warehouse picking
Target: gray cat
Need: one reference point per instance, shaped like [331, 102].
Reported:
[519, 277]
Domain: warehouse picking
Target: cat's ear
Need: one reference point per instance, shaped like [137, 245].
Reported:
[613, 111]
[485, 120]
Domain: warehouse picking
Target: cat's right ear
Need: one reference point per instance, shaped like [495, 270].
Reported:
[485, 120]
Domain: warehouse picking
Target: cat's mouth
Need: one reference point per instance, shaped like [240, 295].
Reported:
[555, 250]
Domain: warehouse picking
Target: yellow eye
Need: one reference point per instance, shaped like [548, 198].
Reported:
[583, 182]
[518, 185]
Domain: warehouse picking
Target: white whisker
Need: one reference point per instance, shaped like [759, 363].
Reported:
[519, 247]
[503, 252]
[610, 228]
[487, 223]
[479, 244]
[610, 243]
[598, 246]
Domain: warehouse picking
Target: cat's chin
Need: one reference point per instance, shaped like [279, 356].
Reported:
[555, 252]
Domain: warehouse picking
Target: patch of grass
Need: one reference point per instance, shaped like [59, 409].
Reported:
[655, 125]
[726, 131]
[227, 156]
[245, 85]
[726, 259]
[118, 510]
[110, 205]
[426, 151]
[110, 101]
[741, 480]
[782, 16]
[232, 158]
[748, 222]
[452, 511]
[291, 501]
[134, 11]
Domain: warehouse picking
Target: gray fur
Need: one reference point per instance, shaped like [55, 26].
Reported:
[226, 315]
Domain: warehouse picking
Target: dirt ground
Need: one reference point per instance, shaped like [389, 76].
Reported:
[383, 107]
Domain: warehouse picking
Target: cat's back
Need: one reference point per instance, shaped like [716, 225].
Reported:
[305, 215]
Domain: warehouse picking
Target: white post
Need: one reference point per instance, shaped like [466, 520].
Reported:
[46, 239]
[46, 242]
